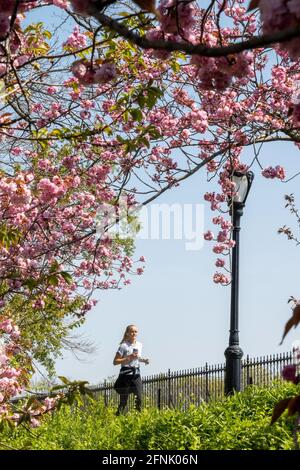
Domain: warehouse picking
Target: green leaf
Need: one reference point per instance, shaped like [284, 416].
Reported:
[141, 99]
[71, 398]
[153, 132]
[153, 94]
[64, 380]
[280, 408]
[32, 401]
[175, 67]
[136, 114]
[53, 280]
[54, 267]
[145, 141]
[57, 387]
[67, 277]
[47, 34]
[31, 283]
[126, 116]
[90, 393]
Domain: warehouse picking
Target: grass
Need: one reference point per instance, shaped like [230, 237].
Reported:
[239, 422]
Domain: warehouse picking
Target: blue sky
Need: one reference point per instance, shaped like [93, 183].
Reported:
[182, 316]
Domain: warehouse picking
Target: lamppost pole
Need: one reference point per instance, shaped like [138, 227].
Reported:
[234, 353]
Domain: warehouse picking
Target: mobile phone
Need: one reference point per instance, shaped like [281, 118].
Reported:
[134, 350]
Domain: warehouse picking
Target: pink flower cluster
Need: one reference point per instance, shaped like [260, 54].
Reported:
[217, 73]
[277, 172]
[224, 242]
[208, 235]
[277, 15]
[82, 7]
[88, 73]
[220, 263]
[75, 41]
[61, 3]
[220, 278]
[296, 115]
[16, 194]
[197, 118]
[57, 204]
[155, 35]
[289, 373]
[214, 199]
[177, 17]
[7, 8]
[10, 375]
[177, 21]
[13, 379]
[51, 189]
[164, 121]
[7, 326]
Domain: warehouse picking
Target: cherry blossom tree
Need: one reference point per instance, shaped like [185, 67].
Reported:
[136, 98]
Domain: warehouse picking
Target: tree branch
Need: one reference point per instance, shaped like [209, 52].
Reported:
[141, 41]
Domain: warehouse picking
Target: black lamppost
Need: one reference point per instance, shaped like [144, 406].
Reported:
[234, 353]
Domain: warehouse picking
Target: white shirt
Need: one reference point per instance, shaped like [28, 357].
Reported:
[126, 349]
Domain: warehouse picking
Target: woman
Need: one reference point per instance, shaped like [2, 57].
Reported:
[129, 357]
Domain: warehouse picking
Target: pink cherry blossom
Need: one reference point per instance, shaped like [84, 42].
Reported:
[289, 373]
[208, 235]
[76, 40]
[220, 263]
[81, 7]
[61, 3]
[220, 278]
[51, 90]
[277, 172]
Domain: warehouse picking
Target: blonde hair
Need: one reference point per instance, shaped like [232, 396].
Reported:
[126, 333]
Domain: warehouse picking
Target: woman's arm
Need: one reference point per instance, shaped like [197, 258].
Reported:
[119, 360]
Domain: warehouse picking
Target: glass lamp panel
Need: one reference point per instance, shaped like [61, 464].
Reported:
[241, 187]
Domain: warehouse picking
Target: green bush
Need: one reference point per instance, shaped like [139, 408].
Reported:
[239, 422]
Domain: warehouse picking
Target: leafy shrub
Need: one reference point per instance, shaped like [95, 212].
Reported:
[239, 422]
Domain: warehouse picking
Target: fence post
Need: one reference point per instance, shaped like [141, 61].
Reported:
[206, 383]
[159, 398]
[247, 365]
[105, 393]
[169, 388]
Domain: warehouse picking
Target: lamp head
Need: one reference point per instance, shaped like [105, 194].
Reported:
[243, 182]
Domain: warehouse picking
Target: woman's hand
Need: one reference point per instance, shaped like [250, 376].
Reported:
[132, 357]
[145, 361]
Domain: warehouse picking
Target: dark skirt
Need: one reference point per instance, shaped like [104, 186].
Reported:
[128, 383]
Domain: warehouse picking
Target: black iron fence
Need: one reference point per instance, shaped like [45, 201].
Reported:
[192, 386]
[181, 388]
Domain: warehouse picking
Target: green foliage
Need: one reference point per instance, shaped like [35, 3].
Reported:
[9, 236]
[239, 422]
[34, 31]
[45, 329]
